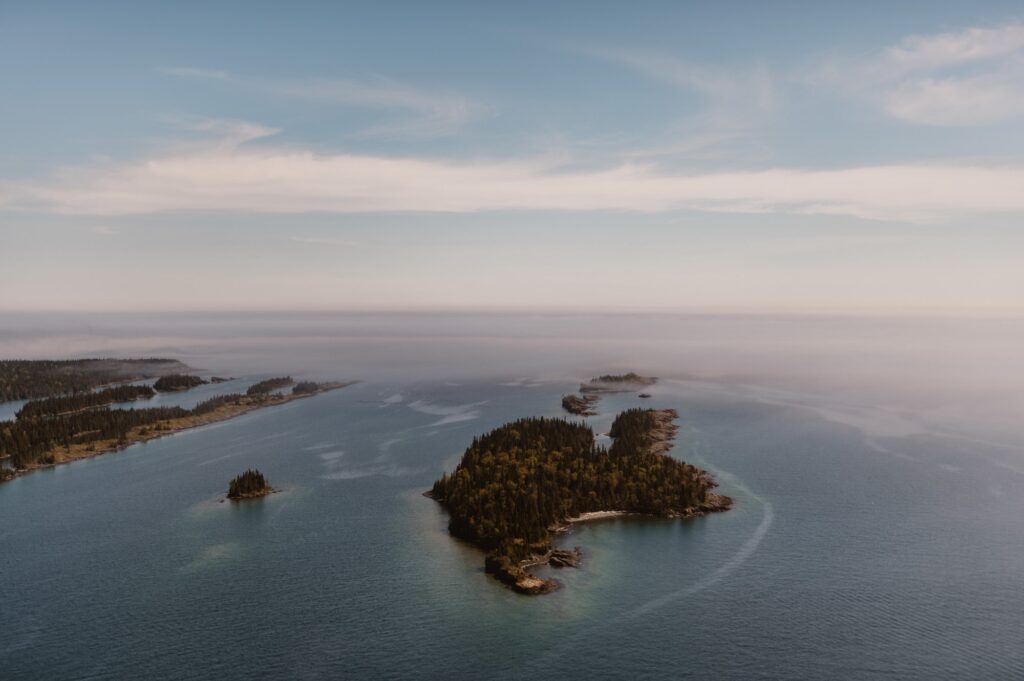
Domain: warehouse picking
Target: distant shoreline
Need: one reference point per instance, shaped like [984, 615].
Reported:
[82, 451]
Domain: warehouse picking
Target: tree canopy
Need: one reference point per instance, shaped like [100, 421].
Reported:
[517, 481]
[248, 484]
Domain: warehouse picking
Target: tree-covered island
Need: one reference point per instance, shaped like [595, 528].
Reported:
[249, 485]
[177, 382]
[65, 427]
[617, 383]
[585, 404]
[26, 379]
[64, 405]
[520, 483]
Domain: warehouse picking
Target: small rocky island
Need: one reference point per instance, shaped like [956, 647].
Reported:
[520, 484]
[581, 405]
[249, 485]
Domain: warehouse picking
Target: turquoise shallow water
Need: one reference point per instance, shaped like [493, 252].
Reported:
[852, 553]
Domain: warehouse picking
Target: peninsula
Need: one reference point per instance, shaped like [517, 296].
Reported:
[67, 427]
[521, 483]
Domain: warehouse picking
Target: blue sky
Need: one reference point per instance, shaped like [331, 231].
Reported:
[719, 156]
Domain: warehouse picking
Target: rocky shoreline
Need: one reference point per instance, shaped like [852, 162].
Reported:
[665, 430]
[580, 405]
[253, 495]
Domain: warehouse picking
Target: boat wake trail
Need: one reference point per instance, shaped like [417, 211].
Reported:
[718, 575]
[736, 560]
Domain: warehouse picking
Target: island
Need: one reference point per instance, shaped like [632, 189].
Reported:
[177, 382]
[64, 405]
[249, 485]
[22, 379]
[519, 485]
[617, 383]
[60, 428]
[581, 405]
[585, 403]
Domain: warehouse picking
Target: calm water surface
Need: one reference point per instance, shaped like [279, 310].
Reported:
[867, 542]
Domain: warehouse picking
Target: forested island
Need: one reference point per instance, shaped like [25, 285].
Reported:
[63, 405]
[585, 403]
[617, 383]
[177, 382]
[518, 484]
[249, 485]
[29, 379]
[65, 427]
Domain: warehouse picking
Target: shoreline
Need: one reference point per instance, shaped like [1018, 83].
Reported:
[716, 503]
[79, 452]
[597, 515]
[251, 495]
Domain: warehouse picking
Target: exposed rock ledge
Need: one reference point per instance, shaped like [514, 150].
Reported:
[516, 576]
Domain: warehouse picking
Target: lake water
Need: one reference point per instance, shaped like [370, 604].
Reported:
[872, 537]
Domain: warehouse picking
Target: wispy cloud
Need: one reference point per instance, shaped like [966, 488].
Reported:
[425, 113]
[964, 78]
[267, 179]
[725, 89]
[957, 101]
[970, 77]
[729, 104]
[921, 53]
[230, 132]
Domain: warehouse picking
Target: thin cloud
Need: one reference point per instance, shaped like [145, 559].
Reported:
[964, 78]
[917, 53]
[231, 132]
[427, 114]
[956, 101]
[749, 88]
[732, 104]
[265, 179]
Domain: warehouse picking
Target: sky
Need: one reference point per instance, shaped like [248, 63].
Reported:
[799, 156]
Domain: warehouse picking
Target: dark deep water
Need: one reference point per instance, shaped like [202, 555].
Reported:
[870, 540]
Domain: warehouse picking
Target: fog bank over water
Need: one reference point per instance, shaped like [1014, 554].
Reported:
[886, 374]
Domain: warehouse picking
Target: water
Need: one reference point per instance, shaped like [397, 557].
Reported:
[869, 541]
